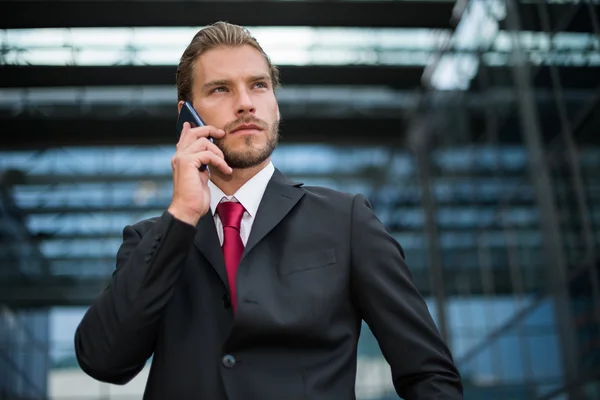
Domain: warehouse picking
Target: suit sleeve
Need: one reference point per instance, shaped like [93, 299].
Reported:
[117, 334]
[421, 364]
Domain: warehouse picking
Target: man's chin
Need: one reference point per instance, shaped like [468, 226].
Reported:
[245, 160]
[251, 153]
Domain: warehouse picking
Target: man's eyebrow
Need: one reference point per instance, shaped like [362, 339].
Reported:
[217, 82]
[261, 77]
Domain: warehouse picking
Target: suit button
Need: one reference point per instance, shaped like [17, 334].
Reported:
[229, 361]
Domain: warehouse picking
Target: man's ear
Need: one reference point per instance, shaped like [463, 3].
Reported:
[179, 105]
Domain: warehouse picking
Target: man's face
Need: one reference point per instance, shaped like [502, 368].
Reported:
[233, 91]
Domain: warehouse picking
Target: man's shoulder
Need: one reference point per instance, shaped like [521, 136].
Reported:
[330, 195]
[319, 191]
[326, 191]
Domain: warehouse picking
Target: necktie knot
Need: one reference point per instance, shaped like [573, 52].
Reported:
[230, 213]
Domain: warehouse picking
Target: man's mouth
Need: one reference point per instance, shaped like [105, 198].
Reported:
[246, 127]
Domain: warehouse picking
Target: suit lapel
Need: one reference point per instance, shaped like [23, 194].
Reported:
[281, 195]
[207, 241]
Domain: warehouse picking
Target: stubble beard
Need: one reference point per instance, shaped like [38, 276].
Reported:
[248, 156]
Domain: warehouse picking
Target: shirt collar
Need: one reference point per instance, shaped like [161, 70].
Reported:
[249, 195]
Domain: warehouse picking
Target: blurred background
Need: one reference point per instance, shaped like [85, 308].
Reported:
[472, 127]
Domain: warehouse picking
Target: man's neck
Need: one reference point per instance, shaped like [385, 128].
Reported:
[230, 184]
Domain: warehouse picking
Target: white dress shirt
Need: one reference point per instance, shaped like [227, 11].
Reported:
[250, 195]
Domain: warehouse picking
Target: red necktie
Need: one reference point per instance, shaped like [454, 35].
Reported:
[230, 213]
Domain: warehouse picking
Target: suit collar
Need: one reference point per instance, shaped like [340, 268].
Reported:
[249, 195]
[279, 178]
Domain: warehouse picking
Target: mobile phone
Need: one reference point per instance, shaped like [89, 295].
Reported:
[189, 114]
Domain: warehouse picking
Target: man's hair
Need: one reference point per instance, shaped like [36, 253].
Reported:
[219, 34]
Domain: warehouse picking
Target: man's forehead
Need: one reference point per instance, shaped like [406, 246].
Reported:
[234, 61]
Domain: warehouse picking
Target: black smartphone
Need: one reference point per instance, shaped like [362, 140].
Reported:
[189, 114]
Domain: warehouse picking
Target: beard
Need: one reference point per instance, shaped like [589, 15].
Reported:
[249, 156]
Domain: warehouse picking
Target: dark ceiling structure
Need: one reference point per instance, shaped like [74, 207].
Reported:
[439, 15]
[364, 14]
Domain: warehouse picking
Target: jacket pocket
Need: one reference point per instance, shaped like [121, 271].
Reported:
[314, 259]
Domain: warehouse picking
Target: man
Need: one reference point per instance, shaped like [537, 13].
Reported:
[251, 286]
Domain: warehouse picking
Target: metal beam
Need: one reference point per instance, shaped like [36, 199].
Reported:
[14, 76]
[36, 131]
[567, 17]
[581, 80]
[30, 132]
[555, 275]
[395, 77]
[148, 13]
[33, 132]
[572, 77]
[431, 229]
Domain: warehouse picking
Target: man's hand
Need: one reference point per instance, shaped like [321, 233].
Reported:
[191, 196]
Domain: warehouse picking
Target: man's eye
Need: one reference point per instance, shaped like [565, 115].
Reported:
[261, 84]
[218, 89]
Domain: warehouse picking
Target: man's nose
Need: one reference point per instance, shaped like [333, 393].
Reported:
[245, 104]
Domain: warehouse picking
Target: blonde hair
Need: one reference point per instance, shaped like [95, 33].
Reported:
[215, 35]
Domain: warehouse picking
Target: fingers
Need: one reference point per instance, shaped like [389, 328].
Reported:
[195, 148]
[189, 135]
[201, 145]
[204, 157]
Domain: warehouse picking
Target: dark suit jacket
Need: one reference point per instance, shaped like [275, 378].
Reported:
[317, 262]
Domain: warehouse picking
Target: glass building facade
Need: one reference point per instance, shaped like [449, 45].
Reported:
[24, 334]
